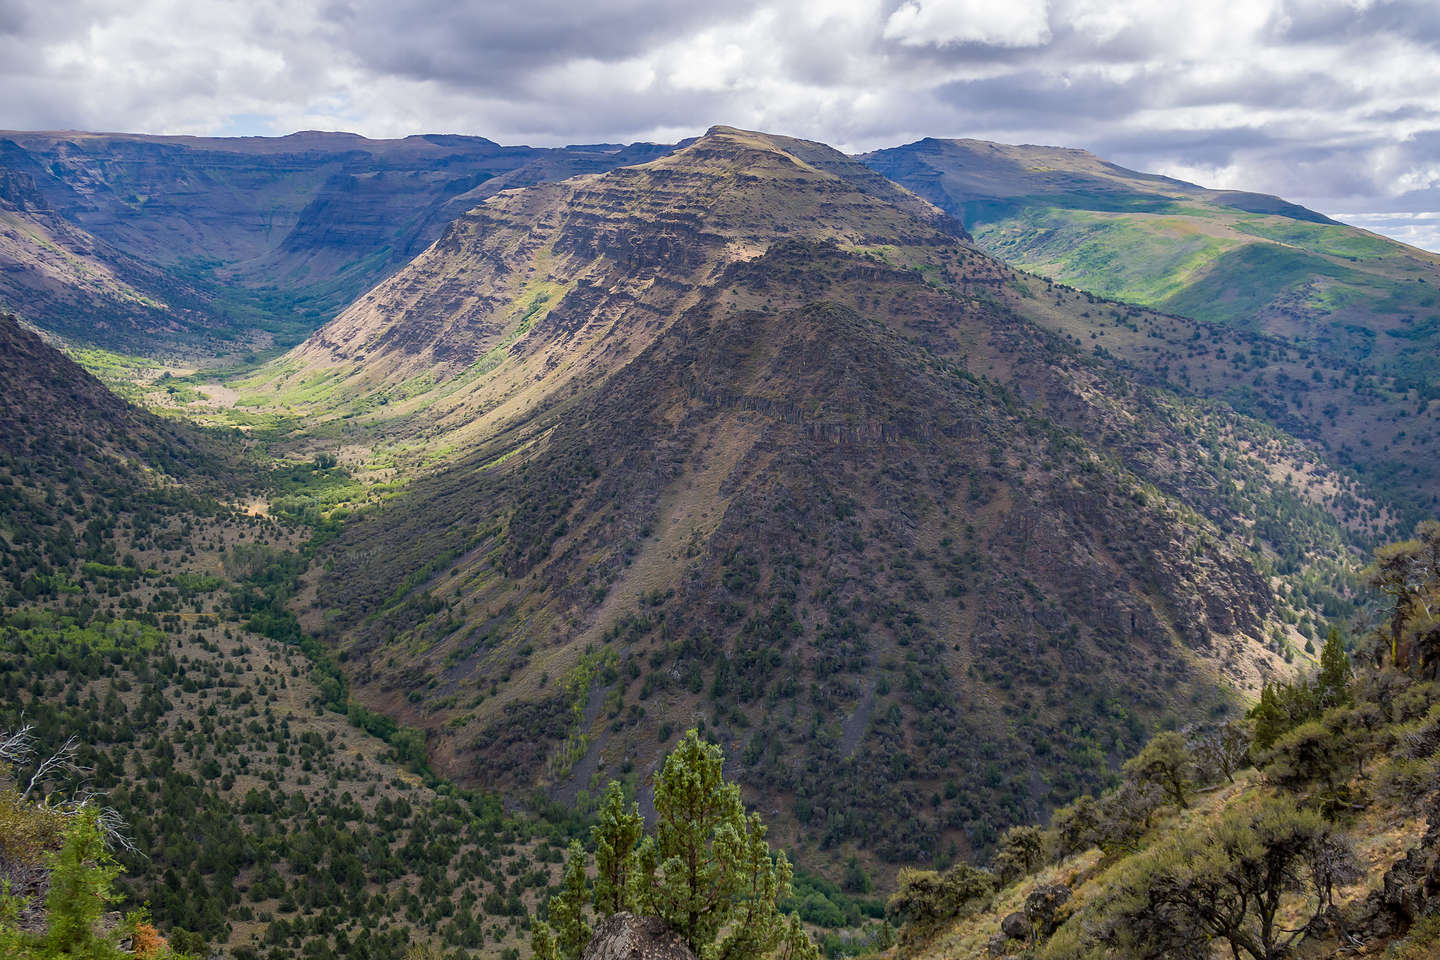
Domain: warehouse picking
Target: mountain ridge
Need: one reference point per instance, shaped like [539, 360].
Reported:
[1359, 305]
[743, 437]
[277, 234]
[640, 518]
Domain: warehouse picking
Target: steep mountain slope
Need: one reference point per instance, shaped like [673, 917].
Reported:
[61, 428]
[565, 282]
[86, 289]
[1364, 307]
[715, 459]
[133, 620]
[279, 233]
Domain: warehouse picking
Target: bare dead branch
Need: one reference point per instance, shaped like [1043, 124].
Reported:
[62, 759]
[18, 746]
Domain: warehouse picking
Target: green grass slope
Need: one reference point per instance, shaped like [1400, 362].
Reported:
[1219, 255]
[1362, 307]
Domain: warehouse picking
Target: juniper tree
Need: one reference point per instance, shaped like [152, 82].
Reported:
[1021, 851]
[1332, 685]
[1164, 763]
[708, 869]
[542, 941]
[615, 838]
[1228, 882]
[1409, 573]
[1076, 827]
[1268, 718]
[567, 910]
[926, 901]
[1224, 749]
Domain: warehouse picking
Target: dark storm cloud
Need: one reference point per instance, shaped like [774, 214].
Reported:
[493, 42]
[1331, 103]
[1045, 96]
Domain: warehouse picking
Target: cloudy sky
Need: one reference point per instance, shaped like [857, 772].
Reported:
[1332, 103]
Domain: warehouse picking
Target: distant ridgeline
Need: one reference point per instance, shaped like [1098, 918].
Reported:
[190, 245]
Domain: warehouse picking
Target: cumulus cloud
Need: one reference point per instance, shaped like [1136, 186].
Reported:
[940, 23]
[1331, 103]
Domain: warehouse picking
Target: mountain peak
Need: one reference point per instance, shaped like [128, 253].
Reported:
[795, 160]
[736, 141]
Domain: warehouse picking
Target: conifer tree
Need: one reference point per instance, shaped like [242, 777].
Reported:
[1268, 717]
[1076, 827]
[567, 909]
[82, 877]
[542, 941]
[615, 838]
[1225, 881]
[708, 867]
[1163, 763]
[707, 872]
[1333, 683]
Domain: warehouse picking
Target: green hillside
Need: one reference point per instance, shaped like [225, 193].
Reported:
[1362, 307]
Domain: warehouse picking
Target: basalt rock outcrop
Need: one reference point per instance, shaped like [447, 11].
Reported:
[624, 936]
[242, 239]
[1409, 891]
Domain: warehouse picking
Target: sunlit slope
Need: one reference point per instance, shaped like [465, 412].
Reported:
[1224, 256]
[1356, 314]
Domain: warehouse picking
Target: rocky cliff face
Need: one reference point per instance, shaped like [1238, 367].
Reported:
[55, 273]
[286, 230]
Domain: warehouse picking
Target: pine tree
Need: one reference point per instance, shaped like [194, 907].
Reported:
[542, 941]
[709, 868]
[1333, 683]
[615, 837]
[567, 909]
[82, 875]
[1268, 717]
[707, 871]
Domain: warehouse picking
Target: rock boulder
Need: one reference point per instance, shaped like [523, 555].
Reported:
[624, 936]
